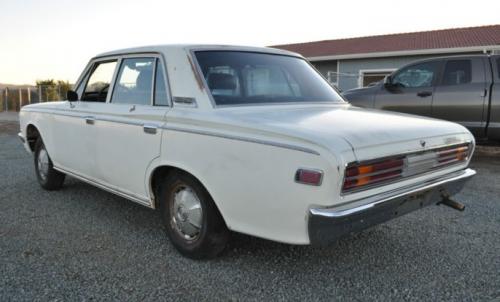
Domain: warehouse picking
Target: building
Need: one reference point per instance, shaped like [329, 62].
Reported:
[357, 62]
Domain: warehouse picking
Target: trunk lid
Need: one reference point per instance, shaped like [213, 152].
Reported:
[371, 133]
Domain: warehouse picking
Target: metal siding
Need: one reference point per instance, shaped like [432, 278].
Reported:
[325, 66]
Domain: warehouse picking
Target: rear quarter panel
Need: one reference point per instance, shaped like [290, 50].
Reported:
[253, 184]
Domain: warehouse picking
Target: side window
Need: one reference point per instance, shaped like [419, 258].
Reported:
[134, 82]
[457, 72]
[100, 78]
[160, 89]
[418, 75]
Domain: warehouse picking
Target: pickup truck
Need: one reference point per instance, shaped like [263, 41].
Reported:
[461, 89]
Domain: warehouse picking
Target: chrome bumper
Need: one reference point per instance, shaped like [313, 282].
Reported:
[328, 224]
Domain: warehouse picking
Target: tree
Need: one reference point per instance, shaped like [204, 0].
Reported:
[53, 90]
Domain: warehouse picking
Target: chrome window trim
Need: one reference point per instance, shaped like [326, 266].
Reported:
[197, 67]
[154, 58]
[85, 77]
[111, 89]
[118, 57]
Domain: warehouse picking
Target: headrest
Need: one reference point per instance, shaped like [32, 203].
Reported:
[222, 81]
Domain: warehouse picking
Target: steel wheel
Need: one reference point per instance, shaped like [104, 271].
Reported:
[47, 176]
[43, 163]
[186, 213]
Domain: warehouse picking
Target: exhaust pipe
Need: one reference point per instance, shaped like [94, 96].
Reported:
[453, 204]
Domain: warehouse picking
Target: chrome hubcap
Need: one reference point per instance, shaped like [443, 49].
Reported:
[43, 163]
[186, 213]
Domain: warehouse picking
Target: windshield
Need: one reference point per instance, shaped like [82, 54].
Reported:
[237, 77]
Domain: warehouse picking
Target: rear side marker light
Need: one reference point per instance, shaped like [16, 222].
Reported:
[309, 177]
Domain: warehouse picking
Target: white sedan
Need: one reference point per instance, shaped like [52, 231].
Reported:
[252, 140]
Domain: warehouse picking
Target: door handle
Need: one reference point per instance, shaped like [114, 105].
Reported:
[424, 94]
[149, 128]
[89, 120]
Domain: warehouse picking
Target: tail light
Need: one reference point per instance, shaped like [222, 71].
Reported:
[377, 172]
[451, 155]
[368, 174]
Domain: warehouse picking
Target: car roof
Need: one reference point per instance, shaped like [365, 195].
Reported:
[166, 48]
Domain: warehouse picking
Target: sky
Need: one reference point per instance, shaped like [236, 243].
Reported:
[56, 38]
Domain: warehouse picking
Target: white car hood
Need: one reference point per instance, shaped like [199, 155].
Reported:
[361, 128]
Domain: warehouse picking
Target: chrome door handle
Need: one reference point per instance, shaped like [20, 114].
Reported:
[89, 120]
[150, 129]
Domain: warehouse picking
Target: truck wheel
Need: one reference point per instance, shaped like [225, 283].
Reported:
[191, 219]
[47, 176]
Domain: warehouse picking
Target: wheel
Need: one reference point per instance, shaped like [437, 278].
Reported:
[191, 219]
[47, 176]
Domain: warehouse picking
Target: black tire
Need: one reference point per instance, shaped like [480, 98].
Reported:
[49, 179]
[212, 235]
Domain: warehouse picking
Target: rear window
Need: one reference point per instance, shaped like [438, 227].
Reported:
[236, 77]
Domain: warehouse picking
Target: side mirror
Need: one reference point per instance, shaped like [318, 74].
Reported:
[72, 96]
[388, 83]
[388, 80]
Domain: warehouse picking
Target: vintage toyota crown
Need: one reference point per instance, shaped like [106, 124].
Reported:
[244, 139]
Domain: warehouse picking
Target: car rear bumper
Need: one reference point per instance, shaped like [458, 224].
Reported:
[328, 224]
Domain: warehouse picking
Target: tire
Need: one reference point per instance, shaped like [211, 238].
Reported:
[47, 176]
[191, 219]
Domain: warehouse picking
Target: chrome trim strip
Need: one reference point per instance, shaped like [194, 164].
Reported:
[243, 139]
[200, 132]
[400, 192]
[134, 198]
[185, 101]
[96, 118]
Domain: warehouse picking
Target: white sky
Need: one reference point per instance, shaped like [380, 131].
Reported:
[55, 38]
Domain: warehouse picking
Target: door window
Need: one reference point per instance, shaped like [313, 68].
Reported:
[99, 81]
[457, 72]
[160, 89]
[134, 82]
[418, 75]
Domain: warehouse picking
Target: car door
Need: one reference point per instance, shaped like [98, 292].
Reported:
[411, 89]
[460, 95]
[74, 134]
[128, 129]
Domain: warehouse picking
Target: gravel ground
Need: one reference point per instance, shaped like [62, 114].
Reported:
[81, 243]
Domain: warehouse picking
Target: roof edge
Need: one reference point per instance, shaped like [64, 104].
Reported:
[415, 52]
